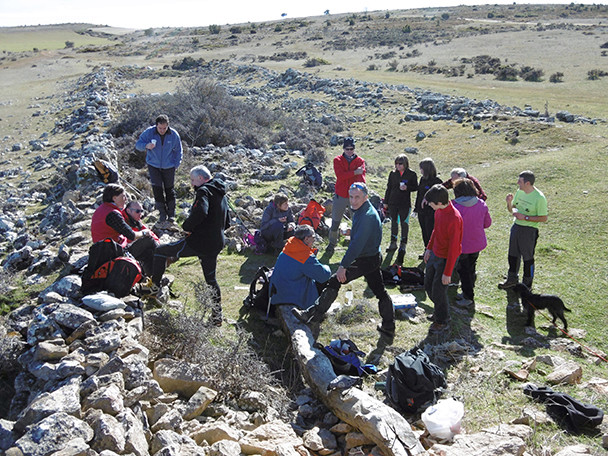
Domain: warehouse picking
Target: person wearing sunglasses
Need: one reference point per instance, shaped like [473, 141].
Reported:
[143, 250]
[349, 168]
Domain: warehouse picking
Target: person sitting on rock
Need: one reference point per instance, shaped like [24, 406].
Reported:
[298, 276]
[109, 222]
[132, 214]
[277, 222]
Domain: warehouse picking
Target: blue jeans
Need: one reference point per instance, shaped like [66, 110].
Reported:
[435, 289]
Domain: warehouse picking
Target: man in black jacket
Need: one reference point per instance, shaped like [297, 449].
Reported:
[204, 228]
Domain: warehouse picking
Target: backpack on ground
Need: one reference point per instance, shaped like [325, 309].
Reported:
[345, 358]
[312, 214]
[261, 246]
[413, 382]
[399, 275]
[100, 254]
[259, 291]
[311, 175]
[106, 171]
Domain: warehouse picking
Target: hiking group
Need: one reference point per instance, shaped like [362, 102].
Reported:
[453, 231]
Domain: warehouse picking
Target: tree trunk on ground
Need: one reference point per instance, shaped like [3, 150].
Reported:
[376, 420]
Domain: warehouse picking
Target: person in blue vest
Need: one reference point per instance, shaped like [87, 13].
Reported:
[298, 276]
[362, 258]
[163, 148]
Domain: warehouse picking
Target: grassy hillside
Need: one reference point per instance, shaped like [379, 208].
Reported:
[569, 161]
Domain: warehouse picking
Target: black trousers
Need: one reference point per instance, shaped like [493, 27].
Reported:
[368, 267]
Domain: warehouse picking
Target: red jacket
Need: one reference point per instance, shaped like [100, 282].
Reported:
[446, 240]
[345, 173]
[100, 230]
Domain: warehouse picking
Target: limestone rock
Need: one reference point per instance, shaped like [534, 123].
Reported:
[225, 448]
[569, 372]
[176, 376]
[198, 402]
[52, 434]
[102, 302]
[107, 399]
[109, 434]
[574, 450]
[47, 351]
[356, 439]
[267, 437]
[75, 447]
[172, 443]
[171, 420]
[64, 399]
[215, 432]
[68, 286]
[6, 434]
[135, 436]
[499, 441]
[70, 316]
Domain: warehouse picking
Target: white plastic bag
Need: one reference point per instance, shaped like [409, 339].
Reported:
[442, 420]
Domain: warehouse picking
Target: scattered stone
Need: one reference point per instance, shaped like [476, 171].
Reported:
[569, 372]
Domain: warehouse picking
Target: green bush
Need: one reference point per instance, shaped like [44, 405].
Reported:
[315, 61]
[530, 74]
[556, 77]
[215, 29]
[506, 73]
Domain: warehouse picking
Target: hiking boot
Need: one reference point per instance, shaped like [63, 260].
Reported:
[430, 317]
[386, 331]
[464, 303]
[392, 246]
[216, 318]
[509, 283]
[438, 327]
[305, 316]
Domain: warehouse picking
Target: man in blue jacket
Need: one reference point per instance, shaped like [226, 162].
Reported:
[298, 275]
[362, 258]
[163, 148]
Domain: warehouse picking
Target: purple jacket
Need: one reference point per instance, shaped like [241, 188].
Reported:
[475, 219]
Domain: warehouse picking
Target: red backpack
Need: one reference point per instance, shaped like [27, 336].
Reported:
[118, 276]
[312, 214]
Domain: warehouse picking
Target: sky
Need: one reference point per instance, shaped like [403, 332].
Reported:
[140, 14]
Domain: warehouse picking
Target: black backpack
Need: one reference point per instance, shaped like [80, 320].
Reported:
[399, 275]
[311, 175]
[100, 254]
[106, 171]
[124, 273]
[259, 291]
[413, 382]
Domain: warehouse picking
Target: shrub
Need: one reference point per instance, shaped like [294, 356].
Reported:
[230, 363]
[215, 29]
[594, 75]
[484, 64]
[531, 74]
[187, 63]
[556, 77]
[149, 32]
[445, 16]
[506, 73]
[372, 67]
[235, 29]
[407, 28]
[604, 46]
[392, 65]
[315, 61]
[69, 44]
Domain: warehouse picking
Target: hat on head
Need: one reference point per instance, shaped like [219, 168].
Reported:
[349, 142]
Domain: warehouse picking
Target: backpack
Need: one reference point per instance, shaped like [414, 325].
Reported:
[106, 171]
[100, 254]
[259, 291]
[124, 273]
[261, 246]
[398, 275]
[345, 358]
[312, 215]
[413, 382]
[311, 175]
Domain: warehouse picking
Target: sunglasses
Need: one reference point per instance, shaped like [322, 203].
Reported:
[138, 211]
[349, 148]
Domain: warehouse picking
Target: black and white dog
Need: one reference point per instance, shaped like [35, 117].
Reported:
[532, 301]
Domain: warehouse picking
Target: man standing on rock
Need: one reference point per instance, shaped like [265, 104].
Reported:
[205, 235]
[349, 168]
[163, 148]
[362, 258]
[529, 207]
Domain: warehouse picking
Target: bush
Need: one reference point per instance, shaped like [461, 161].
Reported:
[531, 74]
[556, 77]
[484, 64]
[235, 30]
[231, 365]
[506, 73]
[594, 75]
[372, 67]
[215, 29]
[392, 65]
[187, 63]
[315, 61]
[204, 113]
[69, 44]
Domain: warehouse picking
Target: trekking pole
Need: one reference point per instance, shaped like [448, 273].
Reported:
[132, 188]
[236, 214]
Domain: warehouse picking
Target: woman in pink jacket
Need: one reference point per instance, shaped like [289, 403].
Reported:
[475, 219]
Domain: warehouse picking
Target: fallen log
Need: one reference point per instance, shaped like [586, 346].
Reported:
[376, 420]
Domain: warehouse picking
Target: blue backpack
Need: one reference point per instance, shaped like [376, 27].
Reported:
[345, 358]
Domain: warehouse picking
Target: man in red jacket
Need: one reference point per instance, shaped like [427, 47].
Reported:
[441, 253]
[349, 168]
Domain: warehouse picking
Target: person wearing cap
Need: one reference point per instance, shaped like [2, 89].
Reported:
[362, 258]
[349, 168]
[163, 148]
